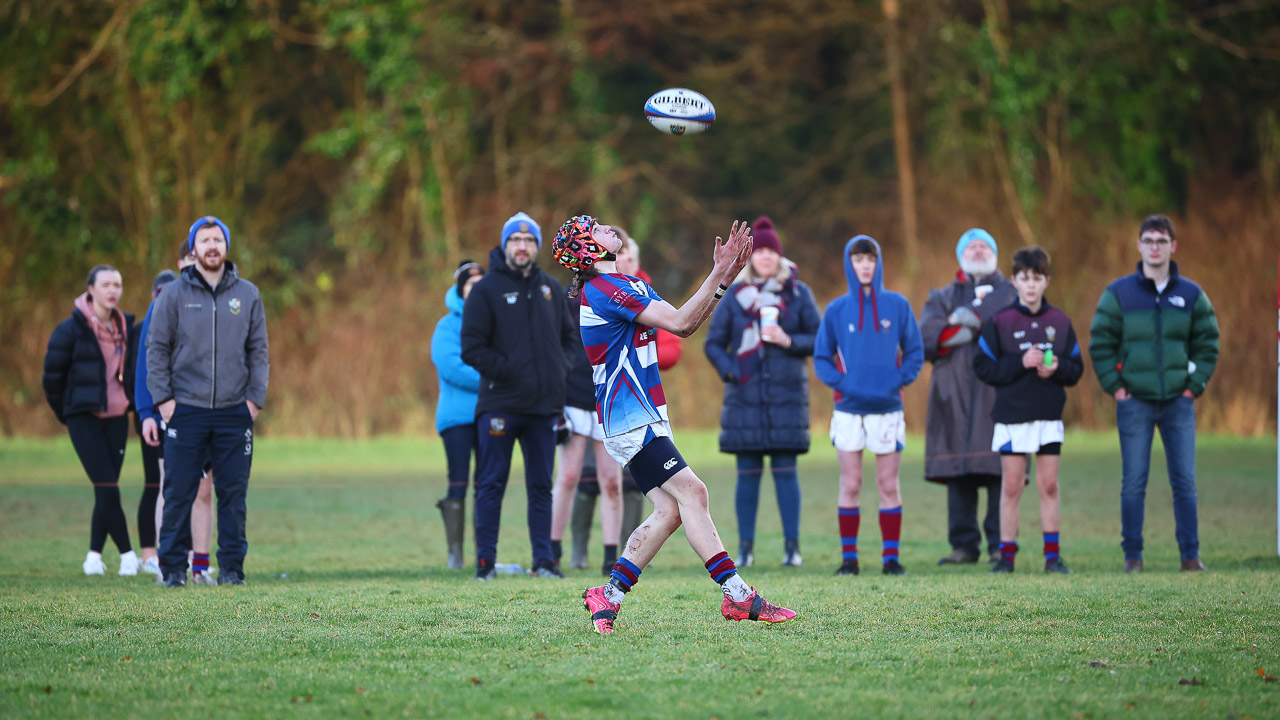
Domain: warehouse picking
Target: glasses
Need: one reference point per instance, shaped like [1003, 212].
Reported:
[1154, 241]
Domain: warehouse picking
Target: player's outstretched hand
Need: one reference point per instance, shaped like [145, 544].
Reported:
[732, 255]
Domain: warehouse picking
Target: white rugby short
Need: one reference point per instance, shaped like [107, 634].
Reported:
[1027, 437]
[625, 446]
[583, 422]
[881, 434]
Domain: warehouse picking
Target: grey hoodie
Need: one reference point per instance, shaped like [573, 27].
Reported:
[208, 348]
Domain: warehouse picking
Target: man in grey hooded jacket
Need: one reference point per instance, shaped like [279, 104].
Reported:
[207, 369]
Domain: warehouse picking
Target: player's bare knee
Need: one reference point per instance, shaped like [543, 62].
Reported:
[668, 521]
[1012, 486]
[692, 494]
[610, 487]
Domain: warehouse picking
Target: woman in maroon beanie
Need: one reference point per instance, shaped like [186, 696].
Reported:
[759, 339]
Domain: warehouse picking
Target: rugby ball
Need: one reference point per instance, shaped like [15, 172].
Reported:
[679, 111]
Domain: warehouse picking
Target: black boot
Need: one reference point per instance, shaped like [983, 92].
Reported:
[791, 557]
[453, 510]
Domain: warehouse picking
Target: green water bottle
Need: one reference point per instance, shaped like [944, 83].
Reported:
[1048, 357]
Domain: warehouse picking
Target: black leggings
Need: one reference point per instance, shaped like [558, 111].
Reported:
[459, 446]
[100, 442]
[151, 459]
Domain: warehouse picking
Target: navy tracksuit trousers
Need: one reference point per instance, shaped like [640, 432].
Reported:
[497, 434]
[192, 437]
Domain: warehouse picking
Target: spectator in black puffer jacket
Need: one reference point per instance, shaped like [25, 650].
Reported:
[86, 384]
[758, 341]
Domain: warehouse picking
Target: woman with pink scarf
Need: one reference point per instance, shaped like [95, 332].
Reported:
[760, 339]
[84, 382]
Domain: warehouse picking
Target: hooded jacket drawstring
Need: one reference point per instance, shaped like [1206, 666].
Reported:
[875, 311]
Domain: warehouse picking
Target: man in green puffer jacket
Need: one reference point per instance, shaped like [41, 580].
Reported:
[1154, 344]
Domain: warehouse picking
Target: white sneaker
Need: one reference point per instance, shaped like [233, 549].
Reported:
[202, 578]
[151, 566]
[129, 563]
[93, 564]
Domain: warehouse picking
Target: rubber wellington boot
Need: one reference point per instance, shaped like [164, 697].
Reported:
[584, 508]
[632, 515]
[453, 510]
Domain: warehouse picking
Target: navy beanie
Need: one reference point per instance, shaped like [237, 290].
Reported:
[207, 219]
[163, 278]
[520, 222]
[465, 270]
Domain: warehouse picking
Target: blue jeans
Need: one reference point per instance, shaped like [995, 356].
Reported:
[1136, 419]
[786, 486]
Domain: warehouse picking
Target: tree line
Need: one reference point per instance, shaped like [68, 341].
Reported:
[360, 148]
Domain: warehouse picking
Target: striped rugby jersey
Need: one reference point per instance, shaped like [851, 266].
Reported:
[623, 353]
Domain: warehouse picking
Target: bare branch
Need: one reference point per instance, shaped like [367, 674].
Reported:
[121, 16]
[1238, 50]
[1217, 12]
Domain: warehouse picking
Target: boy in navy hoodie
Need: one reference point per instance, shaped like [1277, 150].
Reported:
[1029, 353]
[868, 349]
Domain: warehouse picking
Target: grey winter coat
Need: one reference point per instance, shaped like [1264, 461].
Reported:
[958, 425]
[208, 347]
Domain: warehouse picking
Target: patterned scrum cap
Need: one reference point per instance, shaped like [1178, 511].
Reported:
[573, 246]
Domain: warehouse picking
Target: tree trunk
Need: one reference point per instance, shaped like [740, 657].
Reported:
[448, 189]
[902, 139]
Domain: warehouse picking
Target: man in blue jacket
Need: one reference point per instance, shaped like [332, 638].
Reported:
[868, 349]
[516, 331]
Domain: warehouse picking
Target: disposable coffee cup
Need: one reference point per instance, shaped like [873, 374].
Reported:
[768, 316]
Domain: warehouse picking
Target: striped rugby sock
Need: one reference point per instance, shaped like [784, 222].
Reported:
[1008, 551]
[891, 531]
[624, 576]
[1050, 546]
[721, 567]
[849, 520]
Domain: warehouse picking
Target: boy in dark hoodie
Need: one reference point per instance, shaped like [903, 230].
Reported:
[868, 349]
[1029, 353]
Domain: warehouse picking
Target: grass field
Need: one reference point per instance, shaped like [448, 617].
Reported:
[349, 612]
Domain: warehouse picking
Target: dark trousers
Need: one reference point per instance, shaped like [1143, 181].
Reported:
[99, 443]
[151, 459]
[459, 446]
[224, 437]
[786, 486]
[962, 513]
[497, 434]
